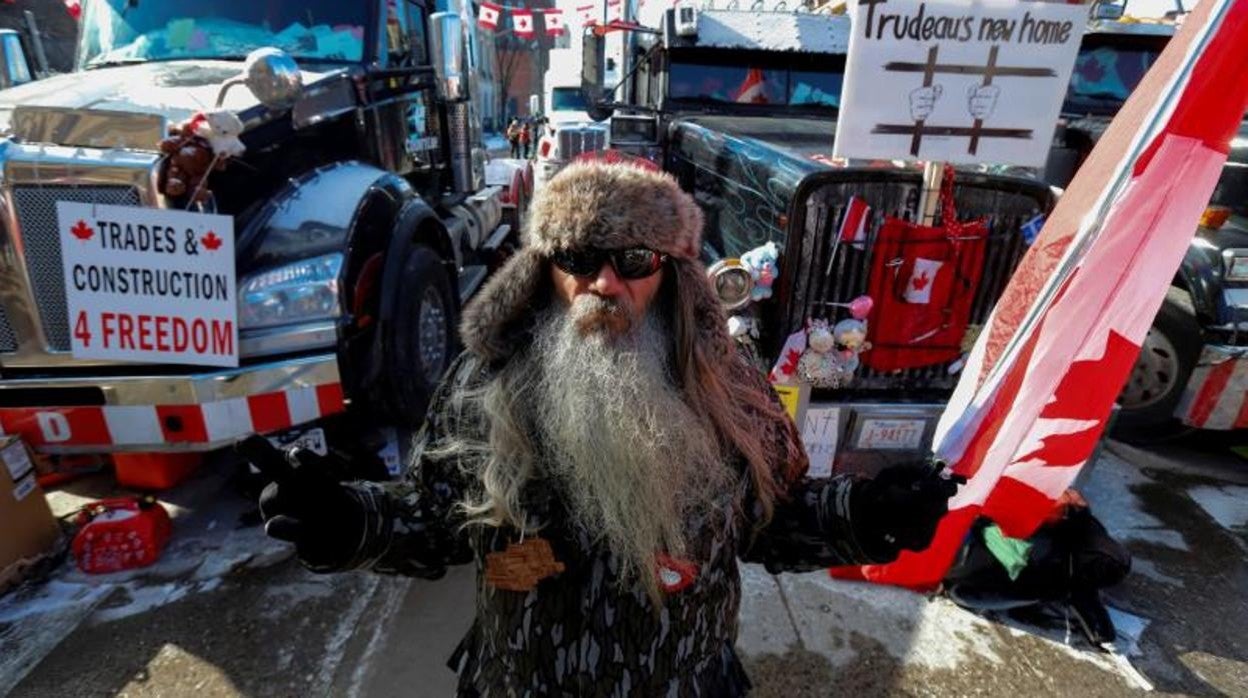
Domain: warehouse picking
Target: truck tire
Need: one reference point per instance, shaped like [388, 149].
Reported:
[1157, 380]
[421, 342]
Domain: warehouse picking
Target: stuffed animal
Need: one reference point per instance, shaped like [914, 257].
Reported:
[819, 364]
[850, 336]
[195, 146]
[761, 262]
[221, 129]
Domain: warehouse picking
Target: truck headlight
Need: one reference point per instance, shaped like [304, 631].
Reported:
[303, 291]
[1236, 264]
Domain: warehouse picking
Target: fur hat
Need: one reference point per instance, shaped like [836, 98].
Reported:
[594, 204]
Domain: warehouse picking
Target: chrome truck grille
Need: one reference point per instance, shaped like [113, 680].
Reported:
[1005, 203]
[36, 214]
[574, 140]
[8, 340]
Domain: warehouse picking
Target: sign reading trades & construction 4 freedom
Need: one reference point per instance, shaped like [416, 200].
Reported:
[956, 81]
[150, 285]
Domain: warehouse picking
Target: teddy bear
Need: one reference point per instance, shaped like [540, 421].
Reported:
[761, 262]
[193, 148]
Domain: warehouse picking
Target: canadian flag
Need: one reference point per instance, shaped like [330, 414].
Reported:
[1039, 386]
[74, 8]
[487, 16]
[922, 278]
[854, 224]
[752, 89]
[554, 22]
[586, 15]
[522, 22]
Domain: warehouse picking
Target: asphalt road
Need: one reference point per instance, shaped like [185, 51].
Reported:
[229, 613]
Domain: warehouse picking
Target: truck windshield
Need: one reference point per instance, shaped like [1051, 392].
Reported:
[134, 31]
[1104, 77]
[746, 84]
[567, 99]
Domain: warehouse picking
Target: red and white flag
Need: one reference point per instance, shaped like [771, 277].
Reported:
[615, 10]
[854, 223]
[922, 278]
[753, 89]
[522, 23]
[554, 22]
[1039, 384]
[74, 8]
[587, 14]
[488, 15]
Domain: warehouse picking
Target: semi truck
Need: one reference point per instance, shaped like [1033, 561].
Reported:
[364, 209]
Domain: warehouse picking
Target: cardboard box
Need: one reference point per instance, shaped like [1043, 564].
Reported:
[27, 528]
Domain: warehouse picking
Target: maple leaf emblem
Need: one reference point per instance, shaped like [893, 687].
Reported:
[790, 362]
[82, 231]
[920, 282]
[210, 241]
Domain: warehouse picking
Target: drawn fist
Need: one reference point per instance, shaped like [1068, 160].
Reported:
[923, 101]
[981, 100]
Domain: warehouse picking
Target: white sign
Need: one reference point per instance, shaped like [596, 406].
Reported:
[820, 432]
[152, 285]
[886, 434]
[956, 81]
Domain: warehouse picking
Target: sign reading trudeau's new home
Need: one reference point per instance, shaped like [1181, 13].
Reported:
[149, 285]
[956, 81]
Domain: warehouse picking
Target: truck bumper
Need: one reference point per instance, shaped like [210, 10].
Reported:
[164, 413]
[1216, 396]
[863, 437]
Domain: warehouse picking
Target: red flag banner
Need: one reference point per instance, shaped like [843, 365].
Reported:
[1039, 384]
[522, 22]
[554, 22]
[488, 15]
[587, 14]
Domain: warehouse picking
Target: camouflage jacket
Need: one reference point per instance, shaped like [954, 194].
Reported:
[579, 633]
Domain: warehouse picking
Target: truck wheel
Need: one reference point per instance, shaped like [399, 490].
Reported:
[1156, 383]
[421, 341]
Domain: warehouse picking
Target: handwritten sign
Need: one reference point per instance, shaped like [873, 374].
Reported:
[977, 82]
[820, 435]
[145, 284]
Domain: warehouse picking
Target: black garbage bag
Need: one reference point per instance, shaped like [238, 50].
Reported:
[1071, 558]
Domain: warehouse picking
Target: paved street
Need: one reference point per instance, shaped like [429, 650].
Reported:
[228, 613]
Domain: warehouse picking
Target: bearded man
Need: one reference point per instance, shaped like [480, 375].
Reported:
[605, 457]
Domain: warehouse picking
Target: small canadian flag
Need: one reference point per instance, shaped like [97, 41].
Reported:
[586, 14]
[554, 22]
[487, 17]
[522, 21]
[922, 278]
[854, 224]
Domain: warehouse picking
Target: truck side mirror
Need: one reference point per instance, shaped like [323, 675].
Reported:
[447, 52]
[14, 67]
[593, 67]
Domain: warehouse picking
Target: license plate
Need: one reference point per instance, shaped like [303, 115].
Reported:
[891, 434]
[312, 439]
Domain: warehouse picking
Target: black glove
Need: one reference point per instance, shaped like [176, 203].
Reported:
[305, 504]
[899, 509]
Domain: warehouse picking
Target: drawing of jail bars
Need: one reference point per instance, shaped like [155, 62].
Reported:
[989, 70]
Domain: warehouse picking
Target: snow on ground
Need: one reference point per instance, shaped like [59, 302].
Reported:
[1108, 489]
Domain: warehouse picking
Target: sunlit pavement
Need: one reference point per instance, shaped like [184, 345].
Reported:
[228, 613]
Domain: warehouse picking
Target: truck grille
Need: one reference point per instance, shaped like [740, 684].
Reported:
[574, 140]
[36, 214]
[8, 340]
[1006, 204]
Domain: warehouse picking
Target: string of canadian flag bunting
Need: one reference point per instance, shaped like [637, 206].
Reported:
[490, 16]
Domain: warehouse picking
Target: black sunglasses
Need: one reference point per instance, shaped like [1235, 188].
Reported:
[629, 263]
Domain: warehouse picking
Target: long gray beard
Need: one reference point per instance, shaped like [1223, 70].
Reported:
[637, 464]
